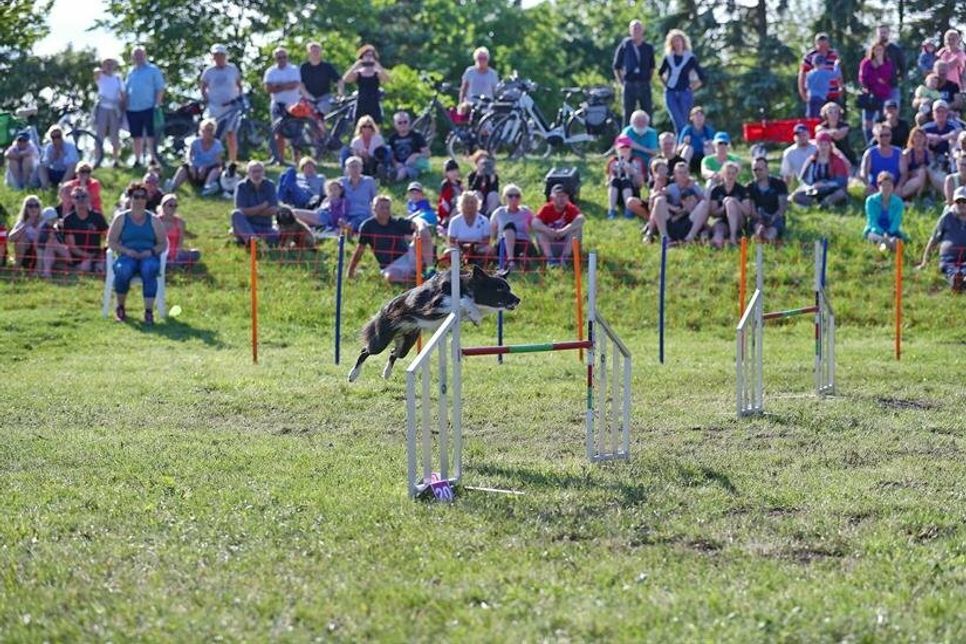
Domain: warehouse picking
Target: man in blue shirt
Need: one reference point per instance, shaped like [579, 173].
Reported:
[256, 203]
[145, 90]
[634, 69]
[644, 143]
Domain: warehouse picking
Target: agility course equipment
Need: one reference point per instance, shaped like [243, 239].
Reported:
[608, 395]
[749, 360]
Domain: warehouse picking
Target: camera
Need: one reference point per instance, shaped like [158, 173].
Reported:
[368, 63]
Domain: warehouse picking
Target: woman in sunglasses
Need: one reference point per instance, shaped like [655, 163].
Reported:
[25, 235]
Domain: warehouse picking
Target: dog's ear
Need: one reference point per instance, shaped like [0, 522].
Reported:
[478, 273]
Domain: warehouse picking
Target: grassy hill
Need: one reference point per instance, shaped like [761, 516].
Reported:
[158, 485]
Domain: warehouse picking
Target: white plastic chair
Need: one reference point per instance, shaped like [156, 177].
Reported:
[159, 308]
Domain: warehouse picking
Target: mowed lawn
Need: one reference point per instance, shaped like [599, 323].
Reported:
[157, 485]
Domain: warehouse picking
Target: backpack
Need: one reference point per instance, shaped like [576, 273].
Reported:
[290, 192]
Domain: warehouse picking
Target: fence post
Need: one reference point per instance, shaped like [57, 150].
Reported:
[661, 286]
[899, 251]
[338, 296]
[579, 295]
[252, 243]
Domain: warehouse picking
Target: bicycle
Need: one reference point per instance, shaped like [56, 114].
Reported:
[85, 141]
[462, 138]
[250, 133]
[179, 125]
[78, 126]
[316, 135]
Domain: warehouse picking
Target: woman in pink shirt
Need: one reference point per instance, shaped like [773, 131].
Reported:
[875, 77]
[954, 54]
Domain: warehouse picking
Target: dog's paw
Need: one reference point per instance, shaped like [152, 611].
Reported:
[354, 374]
[387, 371]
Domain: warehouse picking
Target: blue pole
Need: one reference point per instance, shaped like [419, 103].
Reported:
[338, 296]
[660, 323]
[824, 258]
[499, 314]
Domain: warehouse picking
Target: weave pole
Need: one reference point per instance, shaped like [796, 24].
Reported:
[254, 280]
[419, 279]
[591, 353]
[499, 314]
[338, 295]
[742, 275]
[660, 301]
[899, 250]
[579, 295]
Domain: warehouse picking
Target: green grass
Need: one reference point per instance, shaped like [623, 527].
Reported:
[157, 485]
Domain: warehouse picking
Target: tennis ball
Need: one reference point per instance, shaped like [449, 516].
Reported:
[175, 311]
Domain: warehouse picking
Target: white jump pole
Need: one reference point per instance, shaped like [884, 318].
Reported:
[591, 351]
[456, 347]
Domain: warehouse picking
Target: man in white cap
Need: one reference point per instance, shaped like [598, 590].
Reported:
[794, 156]
[221, 84]
[950, 236]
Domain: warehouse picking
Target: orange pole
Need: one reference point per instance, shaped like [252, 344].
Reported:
[419, 279]
[254, 279]
[575, 248]
[742, 275]
[899, 251]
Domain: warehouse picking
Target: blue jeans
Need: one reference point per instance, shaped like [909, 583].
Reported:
[125, 268]
[678, 103]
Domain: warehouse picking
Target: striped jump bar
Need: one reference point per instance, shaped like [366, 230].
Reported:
[776, 315]
[527, 348]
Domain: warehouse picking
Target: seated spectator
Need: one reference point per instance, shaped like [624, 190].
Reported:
[58, 159]
[950, 236]
[469, 229]
[924, 96]
[137, 238]
[391, 240]
[927, 56]
[833, 123]
[959, 147]
[940, 133]
[883, 214]
[359, 190]
[769, 201]
[818, 84]
[946, 84]
[728, 207]
[558, 222]
[824, 176]
[795, 155]
[711, 165]
[900, 127]
[92, 186]
[368, 145]
[657, 187]
[25, 234]
[332, 216]
[84, 230]
[955, 181]
[682, 211]
[624, 177]
[484, 180]
[669, 150]
[417, 205]
[52, 244]
[511, 224]
[449, 191]
[916, 160]
[642, 136]
[694, 141]
[23, 160]
[409, 150]
[203, 162]
[174, 229]
[881, 157]
[256, 203]
[309, 179]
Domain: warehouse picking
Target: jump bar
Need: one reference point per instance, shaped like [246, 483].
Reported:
[789, 313]
[527, 348]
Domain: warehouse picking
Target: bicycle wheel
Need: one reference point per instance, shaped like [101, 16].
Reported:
[460, 144]
[509, 137]
[253, 137]
[537, 145]
[425, 124]
[577, 137]
[88, 146]
[304, 135]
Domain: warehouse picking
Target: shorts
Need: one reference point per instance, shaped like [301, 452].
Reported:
[107, 120]
[141, 123]
[56, 176]
[403, 268]
[622, 183]
[678, 229]
[197, 176]
[776, 222]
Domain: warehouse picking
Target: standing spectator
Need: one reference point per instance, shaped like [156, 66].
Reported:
[318, 77]
[953, 54]
[883, 214]
[368, 74]
[511, 223]
[23, 159]
[681, 75]
[449, 190]
[144, 91]
[25, 235]
[624, 177]
[557, 222]
[58, 159]
[897, 57]
[107, 111]
[927, 56]
[711, 165]
[881, 158]
[84, 179]
[137, 239]
[900, 127]
[642, 136]
[916, 160]
[682, 211]
[282, 82]
[795, 155]
[824, 176]
[818, 84]
[203, 163]
[221, 84]
[478, 79]
[83, 230]
[391, 241]
[728, 208]
[359, 191]
[669, 151]
[469, 230]
[875, 76]
[830, 59]
[769, 201]
[410, 152]
[174, 228]
[256, 203]
[484, 180]
[694, 140]
[634, 65]
[368, 145]
[950, 236]
[836, 127]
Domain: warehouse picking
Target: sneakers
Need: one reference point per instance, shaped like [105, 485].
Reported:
[120, 315]
[148, 317]
[210, 190]
[629, 214]
[612, 214]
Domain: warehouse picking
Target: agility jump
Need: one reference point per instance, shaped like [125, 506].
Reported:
[607, 425]
[749, 354]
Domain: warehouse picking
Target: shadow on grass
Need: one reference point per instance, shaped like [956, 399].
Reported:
[525, 477]
[174, 330]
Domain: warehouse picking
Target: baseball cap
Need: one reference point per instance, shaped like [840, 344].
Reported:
[219, 49]
[451, 164]
[23, 136]
[558, 188]
[415, 185]
[891, 102]
[722, 137]
[800, 127]
[960, 194]
[940, 104]
[622, 141]
[823, 136]
[821, 36]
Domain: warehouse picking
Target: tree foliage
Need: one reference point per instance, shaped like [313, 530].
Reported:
[22, 23]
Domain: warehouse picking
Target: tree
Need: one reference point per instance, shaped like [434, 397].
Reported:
[22, 23]
[45, 81]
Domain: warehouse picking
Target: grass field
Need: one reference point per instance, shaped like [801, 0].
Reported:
[157, 485]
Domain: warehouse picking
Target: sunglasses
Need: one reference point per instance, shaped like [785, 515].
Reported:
[402, 122]
[56, 137]
[171, 204]
[33, 205]
[513, 195]
[79, 197]
[139, 195]
[84, 171]
[367, 127]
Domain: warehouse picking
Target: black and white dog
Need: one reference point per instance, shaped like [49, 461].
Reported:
[425, 307]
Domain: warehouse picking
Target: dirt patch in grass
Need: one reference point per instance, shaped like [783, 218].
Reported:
[907, 403]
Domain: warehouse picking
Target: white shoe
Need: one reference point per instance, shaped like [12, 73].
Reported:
[210, 189]
[169, 186]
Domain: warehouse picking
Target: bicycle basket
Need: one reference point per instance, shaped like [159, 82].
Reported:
[595, 115]
[456, 117]
[601, 95]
